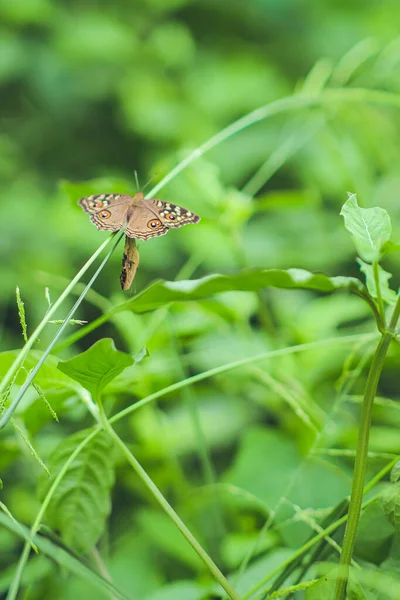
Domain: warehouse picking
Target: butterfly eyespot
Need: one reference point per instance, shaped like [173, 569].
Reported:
[97, 204]
[170, 216]
[154, 224]
[105, 214]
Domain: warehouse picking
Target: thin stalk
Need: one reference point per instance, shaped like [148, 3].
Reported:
[24, 351]
[234, 365]
[157, 495]
[375, 268]
[8, 413]
[293, 102]
[361, 459]
[102, 570]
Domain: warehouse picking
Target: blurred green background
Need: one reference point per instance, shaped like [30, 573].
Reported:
[90, 92]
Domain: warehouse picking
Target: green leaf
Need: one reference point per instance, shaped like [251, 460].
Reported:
[388, 295]
[97, 366]
[389, 247]
[370, 227]
[163, 292]
[395, 473]
[81, 502]
[391, 504]
[180, 590]
[325, 588]
[374, 534]
[265, 478]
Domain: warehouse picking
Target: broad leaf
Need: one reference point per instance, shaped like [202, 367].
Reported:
[97, 366]
[370, 227]
[388, 295]
[267, 479]
[81, 502]
[163, 292]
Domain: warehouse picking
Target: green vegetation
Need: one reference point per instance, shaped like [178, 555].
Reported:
[229, 428]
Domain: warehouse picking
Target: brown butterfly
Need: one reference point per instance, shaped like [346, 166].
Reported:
[144, 219]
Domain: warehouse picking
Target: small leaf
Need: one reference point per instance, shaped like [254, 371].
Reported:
[371, 228]
[388, 295]
[97, 366]
[141, 355]
[163, 292]
[81, 502]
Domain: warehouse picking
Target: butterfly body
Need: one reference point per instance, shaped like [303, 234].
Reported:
[142, 218]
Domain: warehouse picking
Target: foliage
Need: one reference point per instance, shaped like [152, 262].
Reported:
[235, 384]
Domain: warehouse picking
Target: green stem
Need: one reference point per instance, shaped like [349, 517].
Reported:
[8, 413]
[157, 495]
[374, 307]
[24, 351]
[361, 459]
[296, 101]
[375, 268]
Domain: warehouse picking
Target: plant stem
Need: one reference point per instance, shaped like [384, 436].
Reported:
[8, 413]
[157, 495]
[361, 459]
[24, 351]
[293, 102]
[375, 268]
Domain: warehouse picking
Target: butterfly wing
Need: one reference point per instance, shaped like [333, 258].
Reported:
[107, 211]
[154, 217]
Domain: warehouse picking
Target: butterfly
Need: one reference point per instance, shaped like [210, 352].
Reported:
[144, 219]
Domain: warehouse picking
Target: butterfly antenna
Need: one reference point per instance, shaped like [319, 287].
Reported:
[148, 182]
[137, 180]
